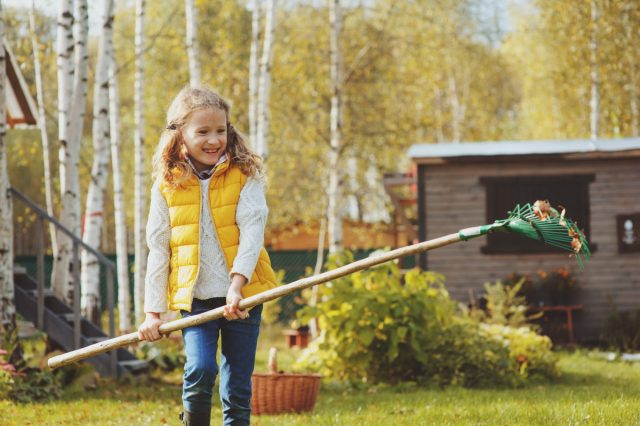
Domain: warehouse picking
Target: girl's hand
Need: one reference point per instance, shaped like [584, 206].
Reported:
[234, 296]
[148, 330]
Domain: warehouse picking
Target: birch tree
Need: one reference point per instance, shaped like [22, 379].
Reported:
[264, 81]
[192, 43]
[253, 72]
[72, 95]
[122, 259]
[458, 106]
[334, 216]
[140, 175]
[7, 302]
[94, 212]
[42, 124]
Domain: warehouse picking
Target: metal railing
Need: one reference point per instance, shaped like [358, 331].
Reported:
[110, 266]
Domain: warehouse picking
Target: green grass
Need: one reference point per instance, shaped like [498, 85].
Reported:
[591, 391]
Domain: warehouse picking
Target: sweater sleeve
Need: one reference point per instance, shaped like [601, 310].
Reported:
[158, 237]
[251, 217]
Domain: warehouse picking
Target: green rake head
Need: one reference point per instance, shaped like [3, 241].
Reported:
[542, 224]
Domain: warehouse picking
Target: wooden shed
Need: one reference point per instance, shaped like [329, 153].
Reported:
[20, 108]
[598, 182]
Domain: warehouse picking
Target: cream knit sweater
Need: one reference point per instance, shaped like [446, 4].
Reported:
[213, 278]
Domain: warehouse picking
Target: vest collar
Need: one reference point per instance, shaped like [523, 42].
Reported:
[218, 168]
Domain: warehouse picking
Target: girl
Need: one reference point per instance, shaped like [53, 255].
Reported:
[205, 235]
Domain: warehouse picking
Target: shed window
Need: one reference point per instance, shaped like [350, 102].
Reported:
[503, 193]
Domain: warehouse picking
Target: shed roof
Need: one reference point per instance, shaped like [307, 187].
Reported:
[483, 150]
[20, 107]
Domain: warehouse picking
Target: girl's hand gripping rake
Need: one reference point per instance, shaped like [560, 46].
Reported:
[527, 220]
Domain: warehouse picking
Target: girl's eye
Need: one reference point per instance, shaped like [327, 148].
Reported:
[222, 131]
[202, 132]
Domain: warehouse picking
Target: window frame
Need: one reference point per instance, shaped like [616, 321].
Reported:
[500, 244]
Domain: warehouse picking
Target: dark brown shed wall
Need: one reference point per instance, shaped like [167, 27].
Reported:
[454, 199]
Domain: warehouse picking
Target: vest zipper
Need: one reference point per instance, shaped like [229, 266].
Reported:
[215, 230]
[195, 281]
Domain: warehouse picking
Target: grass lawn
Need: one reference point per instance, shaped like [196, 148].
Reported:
[590, 391]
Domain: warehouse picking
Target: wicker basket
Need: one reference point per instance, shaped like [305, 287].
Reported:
[275, 392]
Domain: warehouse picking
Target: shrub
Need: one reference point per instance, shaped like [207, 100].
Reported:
[28, 384]
[165, 354]
[531, 351]
[556, 287]
[375, 328]
[503, 305]
[622, 330]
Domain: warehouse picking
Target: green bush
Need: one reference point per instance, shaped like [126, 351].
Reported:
[531, 351]
[375, 328]
[28, 384]
[622, 330]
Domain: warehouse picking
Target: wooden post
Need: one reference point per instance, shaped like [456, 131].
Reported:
[76, 296]
[40, 271]
[112, 324]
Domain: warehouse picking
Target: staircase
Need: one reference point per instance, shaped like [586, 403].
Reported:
[58, 324]
[63, 323]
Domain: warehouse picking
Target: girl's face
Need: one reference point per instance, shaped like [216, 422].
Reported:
[205, 136]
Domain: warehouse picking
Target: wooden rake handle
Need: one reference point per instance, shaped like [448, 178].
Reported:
[249, 302]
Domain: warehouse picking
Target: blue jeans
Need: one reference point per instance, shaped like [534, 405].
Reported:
[239, 340]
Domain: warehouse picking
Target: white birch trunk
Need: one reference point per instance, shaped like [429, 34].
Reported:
[253, 73]
[42, 124]
[68, 165]
[264, 82]
[334, 216]
[458, 107]
[122, 260]
[595, 98]
[192, 43]
[94, 211]
[438, 113]
[419, 127]
[7, 301]
[140, 175]
[314, 327]
[353, 208]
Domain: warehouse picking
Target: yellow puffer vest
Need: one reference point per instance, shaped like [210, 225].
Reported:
[184, 212]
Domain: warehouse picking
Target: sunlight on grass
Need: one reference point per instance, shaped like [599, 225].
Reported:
[591, 391]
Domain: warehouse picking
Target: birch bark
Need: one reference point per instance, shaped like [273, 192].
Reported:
[192, 43]
[122, 259]
[72, 95]
[7, 301]
[253, 73]
[94, 211]
[334, 216]
[264, 82]
[140, 174]
[42, 124]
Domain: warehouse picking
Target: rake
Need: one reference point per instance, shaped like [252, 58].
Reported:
[535, 222]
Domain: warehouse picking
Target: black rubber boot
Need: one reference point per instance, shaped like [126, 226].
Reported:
[195, 419]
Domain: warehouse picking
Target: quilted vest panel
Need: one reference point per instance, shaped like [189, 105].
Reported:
[184, 213]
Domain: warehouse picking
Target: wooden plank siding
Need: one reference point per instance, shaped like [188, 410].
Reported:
[453, 198]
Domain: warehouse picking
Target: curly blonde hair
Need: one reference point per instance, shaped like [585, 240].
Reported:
[170, 157]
